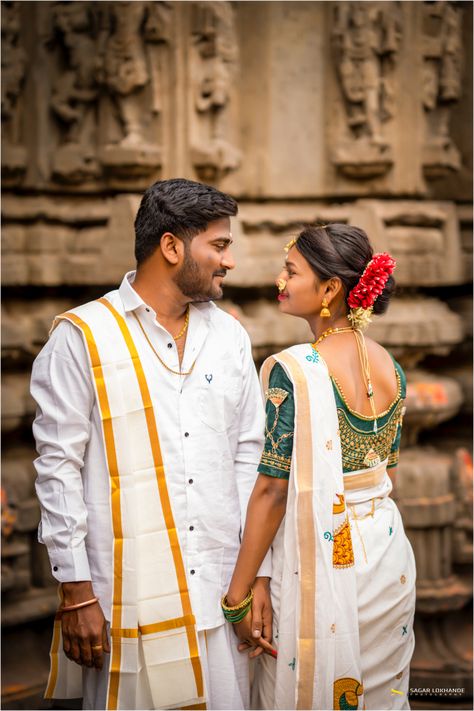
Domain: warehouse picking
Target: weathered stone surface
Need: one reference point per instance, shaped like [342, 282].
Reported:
[428, 508]
[430, 400]
[18, 473]
[68, 241]
[18, 405]
[25, 329]
[424, 238]
[416, 326]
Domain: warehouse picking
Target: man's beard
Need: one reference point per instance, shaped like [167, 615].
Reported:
[194, 284]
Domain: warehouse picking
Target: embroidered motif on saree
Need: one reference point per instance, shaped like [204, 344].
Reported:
[343, 552]
[276, 396]
[346, 693]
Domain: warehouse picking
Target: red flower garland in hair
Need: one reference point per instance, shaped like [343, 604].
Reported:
[372, 282]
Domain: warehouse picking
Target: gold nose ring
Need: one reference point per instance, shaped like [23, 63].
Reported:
[281, 284]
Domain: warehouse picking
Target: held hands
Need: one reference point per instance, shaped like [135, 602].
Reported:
[84, 630]
[255, 630]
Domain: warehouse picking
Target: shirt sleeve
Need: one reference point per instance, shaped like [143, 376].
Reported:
[394, 455]
[63, 391]
[250, 441]
[279, 426]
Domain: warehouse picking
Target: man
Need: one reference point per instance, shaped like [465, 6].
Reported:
[149, 430]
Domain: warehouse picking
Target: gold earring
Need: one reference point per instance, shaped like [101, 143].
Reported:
[325, 313]
[281, 284]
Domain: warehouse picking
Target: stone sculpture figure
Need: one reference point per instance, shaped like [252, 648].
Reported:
[365, 37]
[442, 73]
[13, 75]
[75, 93]
[215, 60]
[130, 72]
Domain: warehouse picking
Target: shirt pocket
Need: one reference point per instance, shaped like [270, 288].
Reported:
[218, 402]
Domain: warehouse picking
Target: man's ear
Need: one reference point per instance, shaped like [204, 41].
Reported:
[172, 248]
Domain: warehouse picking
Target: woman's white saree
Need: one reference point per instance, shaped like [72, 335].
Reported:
[343, 570]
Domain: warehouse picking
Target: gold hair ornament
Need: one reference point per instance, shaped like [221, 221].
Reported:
[290, 244]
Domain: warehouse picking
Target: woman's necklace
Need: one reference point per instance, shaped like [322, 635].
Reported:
[330, 331]
[363, 359]
[175, 372]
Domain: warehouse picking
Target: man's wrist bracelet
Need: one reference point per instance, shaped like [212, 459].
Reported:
[78, 605]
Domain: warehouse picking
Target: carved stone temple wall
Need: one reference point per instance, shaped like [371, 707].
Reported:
[357, 112]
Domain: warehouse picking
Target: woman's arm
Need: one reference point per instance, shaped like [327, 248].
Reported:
[267, 505]
[266, 509]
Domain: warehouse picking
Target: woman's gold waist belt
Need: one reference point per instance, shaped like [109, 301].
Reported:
[366, 479]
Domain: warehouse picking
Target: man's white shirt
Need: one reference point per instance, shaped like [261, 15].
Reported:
[210, 424]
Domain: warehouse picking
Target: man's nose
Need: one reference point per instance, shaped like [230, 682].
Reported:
[227, 260]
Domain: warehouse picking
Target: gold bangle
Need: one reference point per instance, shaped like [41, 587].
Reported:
[248, 599]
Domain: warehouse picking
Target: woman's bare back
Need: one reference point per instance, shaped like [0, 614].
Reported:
[341, 356]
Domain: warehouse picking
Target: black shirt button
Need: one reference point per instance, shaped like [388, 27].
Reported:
[147, 309]
[55, 568]
[190, 481]
[170, 345]
[193, 571]
[186, 434]
[191, 528]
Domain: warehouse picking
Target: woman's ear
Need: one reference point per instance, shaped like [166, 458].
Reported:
[333, 288]
[172, 248]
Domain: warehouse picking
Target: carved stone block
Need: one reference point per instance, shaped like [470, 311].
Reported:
[428, 508]
[424, 238]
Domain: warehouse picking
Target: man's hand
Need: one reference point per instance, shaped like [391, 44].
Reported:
[255, 630]
[84, 630]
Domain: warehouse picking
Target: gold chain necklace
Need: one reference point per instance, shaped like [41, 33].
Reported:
[183, 330]
[363, 359]
[175, 372]
[330, 331]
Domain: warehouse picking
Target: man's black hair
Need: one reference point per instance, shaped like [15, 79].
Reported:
[182, 207]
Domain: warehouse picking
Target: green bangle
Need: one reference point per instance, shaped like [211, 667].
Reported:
[236, 613]
[237, 616]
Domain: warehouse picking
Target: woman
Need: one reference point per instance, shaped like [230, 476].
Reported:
[343, 584]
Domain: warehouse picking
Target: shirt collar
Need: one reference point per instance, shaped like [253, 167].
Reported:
[131, 300]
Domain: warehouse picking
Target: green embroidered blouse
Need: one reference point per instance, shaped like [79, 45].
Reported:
[359, 443]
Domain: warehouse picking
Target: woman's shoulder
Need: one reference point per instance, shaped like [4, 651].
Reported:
[279, 378]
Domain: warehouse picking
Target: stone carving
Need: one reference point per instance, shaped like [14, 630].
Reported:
[365, 38]
[430, 514]
[130, 38]
[13, 75]
[441, 87]
[75, 93]
[213, 66]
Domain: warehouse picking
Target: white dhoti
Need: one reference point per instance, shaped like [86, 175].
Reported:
[226, 675]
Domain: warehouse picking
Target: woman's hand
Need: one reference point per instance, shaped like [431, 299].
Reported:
[255, 630]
